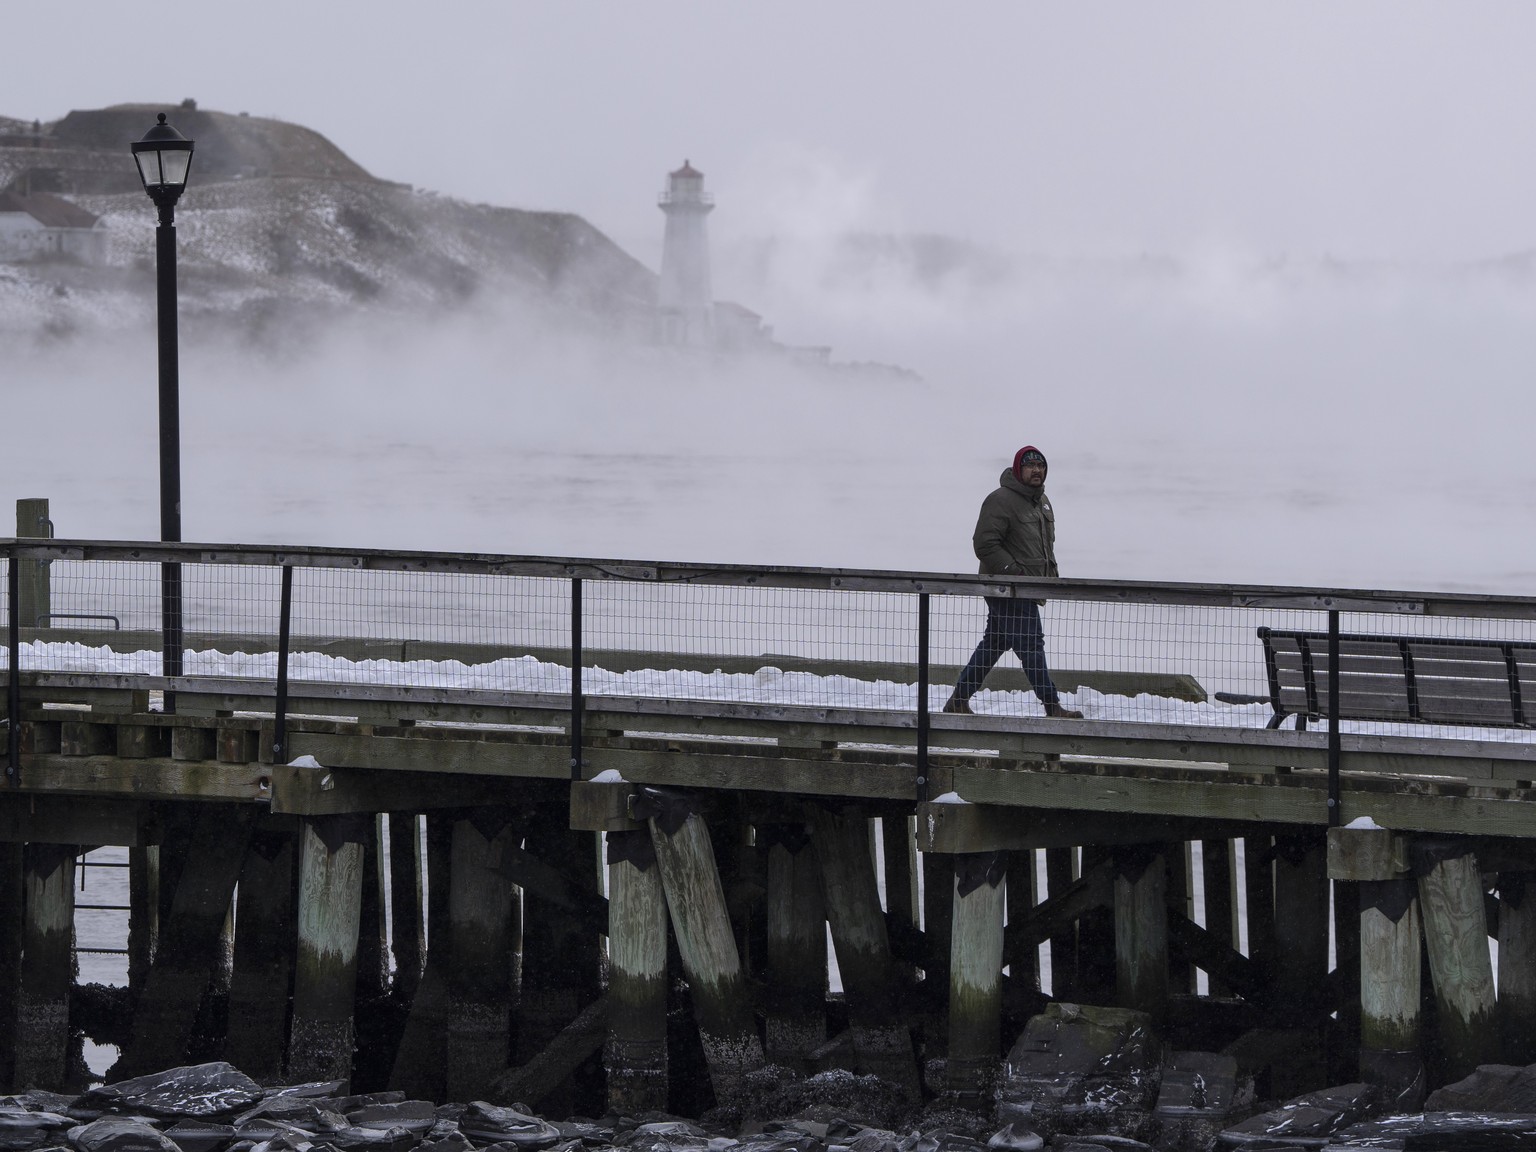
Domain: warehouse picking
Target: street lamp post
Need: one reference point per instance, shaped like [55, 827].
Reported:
[164, 156]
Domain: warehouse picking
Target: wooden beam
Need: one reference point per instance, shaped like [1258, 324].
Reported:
[976, 827]
[561, 1057]
[142, 779]
[46, 819]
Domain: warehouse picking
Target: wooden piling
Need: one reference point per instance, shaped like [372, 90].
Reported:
[635, 1052]
[407, 939]
[1021, 993]
[325, 968]
[797, 948]
[938, 922]
[707, 948]
[211, 851]
[373, 925]
[12, 928]
[1517, 966]
[1259, 898]
[1181, 903]
[975, 977]
[47, 967]
[419, 1060]
[880, 1032]
[481, 915]
[143, 912]
[559, 950]
[1060, 872]
[1456, 940]
[1141, 931]
[1301, 917]
[265, 939]
[1217, 875]
[1390, 949]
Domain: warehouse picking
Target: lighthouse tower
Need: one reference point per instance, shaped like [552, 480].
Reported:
[686, 299]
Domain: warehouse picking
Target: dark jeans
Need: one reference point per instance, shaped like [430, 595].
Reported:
[1011, 624]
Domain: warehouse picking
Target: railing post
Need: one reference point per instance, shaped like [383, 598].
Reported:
[1334, 750]
[576, 701]
[170, 627]
[13, 673]
[922, 696]
[284, 623]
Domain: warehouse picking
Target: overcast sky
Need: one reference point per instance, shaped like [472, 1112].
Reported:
[1361, 129]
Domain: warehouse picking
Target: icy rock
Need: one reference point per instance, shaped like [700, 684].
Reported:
[589, 1132]
[196, 1090]
[313, 1089]
[1307, 1121]
[454, 1141]
[21, 1128]
[200, 1135]
[298, 1111]
[1199, 1095]
[489, 1124]
[1015, 1138]
[1098, 1142]
[874, 1140]
[120, 1134]
[1442, 1130]
[395, 1139]
[1077, 1068]
[417, 1115]
[1491, 1088]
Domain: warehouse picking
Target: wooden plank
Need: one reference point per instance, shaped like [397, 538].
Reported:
[333, 791]
[956, 828]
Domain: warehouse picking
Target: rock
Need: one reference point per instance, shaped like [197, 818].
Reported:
[490, 1124]
[120, 1134]
[200, 1135]
[1081, 1067]
[396, 1139]
[1199, 1095]
[311, 1090]
[197, 1090]
[1307, 1121]
[22, 1128]
[454, 1141]
[1442, 1132]
[589, 1132]
[417, 1115]
[1491, 1088]
[1099, 1142]
[1014, 1138]
[300, 1111]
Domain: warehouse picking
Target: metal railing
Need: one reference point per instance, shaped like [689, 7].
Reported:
[873, 635]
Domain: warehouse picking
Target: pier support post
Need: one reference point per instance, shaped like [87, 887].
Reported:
[1391, 944]
[976, 977]
[1021, 992]
[407, 941]
[559, 953]
[1059, 875]
[33, 583]
[47, 967]
[1301, 917]
[880, 1033]
[797, 947]
[325, 970]
[264, 945]
[191, 938]
[373, 932]
[12, 928]
[418, 1070]
[706, 945]
[1216, 866]
[483, 908]
[1517, 966]
[1141, 931]
[143, 912]
[1456, 940]
[635, 1054]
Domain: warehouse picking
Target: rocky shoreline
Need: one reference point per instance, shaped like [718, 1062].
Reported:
[215, 1108]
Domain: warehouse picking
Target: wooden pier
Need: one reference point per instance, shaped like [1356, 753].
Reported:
[586, 902]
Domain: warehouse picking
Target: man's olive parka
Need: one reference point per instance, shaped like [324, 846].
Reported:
[1016, 531]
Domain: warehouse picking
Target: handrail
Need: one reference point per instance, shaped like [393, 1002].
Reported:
[1321, 599]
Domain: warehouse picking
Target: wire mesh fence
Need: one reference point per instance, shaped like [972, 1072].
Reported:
[1160, 654]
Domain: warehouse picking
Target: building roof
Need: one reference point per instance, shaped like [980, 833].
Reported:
[686, 171]
[48, 210]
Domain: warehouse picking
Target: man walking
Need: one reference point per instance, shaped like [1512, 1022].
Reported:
[1015, 536]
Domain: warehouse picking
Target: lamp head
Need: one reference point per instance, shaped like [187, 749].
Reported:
[164, 155]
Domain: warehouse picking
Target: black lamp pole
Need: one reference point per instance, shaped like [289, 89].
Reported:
[164, 156]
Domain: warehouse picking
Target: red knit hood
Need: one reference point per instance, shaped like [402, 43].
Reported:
[1018, 461]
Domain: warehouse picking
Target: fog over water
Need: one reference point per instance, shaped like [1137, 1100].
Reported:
[1207, 417]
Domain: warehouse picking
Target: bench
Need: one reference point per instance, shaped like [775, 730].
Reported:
[1410, 679]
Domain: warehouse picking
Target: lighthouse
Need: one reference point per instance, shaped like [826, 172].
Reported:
[686, 299]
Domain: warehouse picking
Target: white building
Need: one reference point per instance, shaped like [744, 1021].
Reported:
[41, 226]
[686, 297]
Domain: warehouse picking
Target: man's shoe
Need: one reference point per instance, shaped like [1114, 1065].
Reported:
[958, 705]
[1057, 712]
